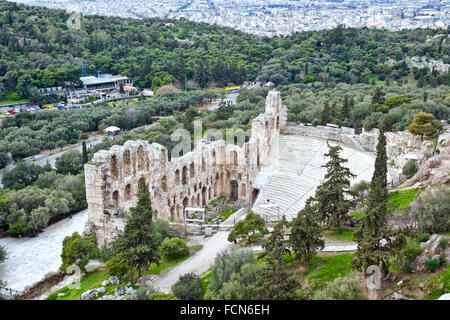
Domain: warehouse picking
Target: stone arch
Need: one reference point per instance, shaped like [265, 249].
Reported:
[233, 158]
[267, 124]
[234, 190]
[164, 184]
[185, 204]
[141, 158]
[184, 175]
[177, 176]
[127, 195]
[278, 122]
[204, 196]
[193, 201]
[115, 198]
[141, 179]
[114, 167]
[192, 170]
[172, 214]
[127, 162]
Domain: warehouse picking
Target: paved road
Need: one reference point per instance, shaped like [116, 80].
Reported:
[41, 159]
[30, 259]
[199, 263]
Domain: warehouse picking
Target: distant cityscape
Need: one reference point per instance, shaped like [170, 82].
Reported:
[272, 17]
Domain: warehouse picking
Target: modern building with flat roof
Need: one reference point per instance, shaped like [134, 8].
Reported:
[105, 82]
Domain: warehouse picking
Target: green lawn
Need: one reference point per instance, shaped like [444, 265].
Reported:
[12, 97]
[91, 280]
[345, 234]
[442, 277]
[168, 264]
[94, 278]
[324, 269]
[401, 199]
[205, 280]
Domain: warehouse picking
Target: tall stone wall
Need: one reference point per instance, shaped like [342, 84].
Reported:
[211, 170]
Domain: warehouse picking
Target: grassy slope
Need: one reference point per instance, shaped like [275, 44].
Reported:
[94, 278]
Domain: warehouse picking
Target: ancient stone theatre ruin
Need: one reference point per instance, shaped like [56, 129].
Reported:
[213, 169]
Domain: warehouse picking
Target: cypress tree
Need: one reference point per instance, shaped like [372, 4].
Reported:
[325, 114]
[85, 154]
[331, 195]
[305, 237]
[376, 243]
[276, 282]
[140, 241]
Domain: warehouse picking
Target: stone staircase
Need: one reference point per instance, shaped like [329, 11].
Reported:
[296, 171]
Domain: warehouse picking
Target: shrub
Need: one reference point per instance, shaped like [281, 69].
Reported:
[411, 250]
[424, 237]
[79, 250]
[432, 264]
[117, 267]
[226, 264]
[407, 266]
[409, 168]
[444, 243]
[188, 287]
[360, 188]
[174, 248]
[341, 289]
[442, 259]
[432, 209]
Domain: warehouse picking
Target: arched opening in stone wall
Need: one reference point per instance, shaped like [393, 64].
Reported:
[114, 167]
[243, 190]
[234, 190]
[192, 170]
[257, 161]
[234, 158]
[141, 180]
[127, 192]
[198, 200]
[210, 193]
[193, 201]
[172, 214]
[127, 162]
[278, 122]
[255, 193]
[164, 183]
[141, 158]
[203, 165]
[204, 200]
[185, 204]
[267, 125]
[195, 188]
[115, 198]
[177, 176]
[214, 157]
[184, 175]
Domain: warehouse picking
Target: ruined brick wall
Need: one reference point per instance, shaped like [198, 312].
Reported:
[213, 169]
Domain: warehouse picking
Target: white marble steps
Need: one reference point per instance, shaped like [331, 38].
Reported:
[298, 171]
